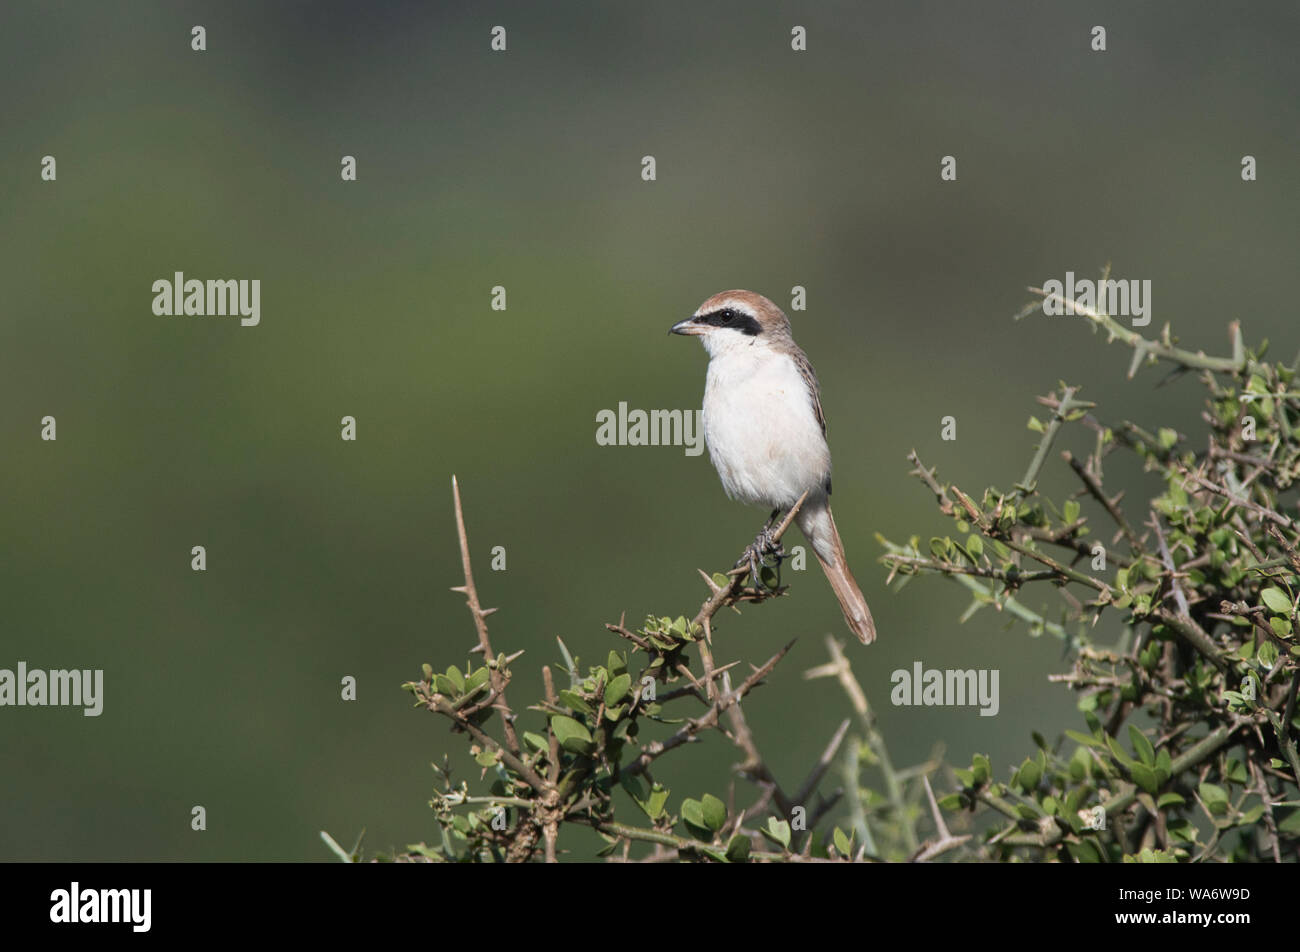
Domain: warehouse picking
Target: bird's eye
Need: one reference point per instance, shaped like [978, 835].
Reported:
[733, 318]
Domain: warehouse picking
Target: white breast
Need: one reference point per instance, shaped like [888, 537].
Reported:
[761, 429]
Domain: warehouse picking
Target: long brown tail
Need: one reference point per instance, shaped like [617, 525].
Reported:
[818, 525]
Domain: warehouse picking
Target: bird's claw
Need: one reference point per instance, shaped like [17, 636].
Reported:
[757, 554]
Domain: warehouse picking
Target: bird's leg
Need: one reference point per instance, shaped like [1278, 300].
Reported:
[764, 546]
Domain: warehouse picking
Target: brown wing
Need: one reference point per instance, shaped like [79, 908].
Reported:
[814, 394]
[814, 389]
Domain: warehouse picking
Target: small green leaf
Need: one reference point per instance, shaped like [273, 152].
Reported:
[457, 679]
[572, 735]
[714, 812]
[843, 842]
[1215, 798]
[444, 685]
[475, 678]
[1084, 738]
[1028, 775]
[738, 848]
[778, 831]
[618, 689]
[1119, 752]
[575, 702]
[655, 803]
[693, 817]
[1084, 852]
[1276, 600]
[1070, 511]
[1145, 751]
[1144, 777]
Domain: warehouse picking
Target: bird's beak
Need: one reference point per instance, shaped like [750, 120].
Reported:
[687, 327]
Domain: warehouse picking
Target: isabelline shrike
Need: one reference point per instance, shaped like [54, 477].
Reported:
[765, 431]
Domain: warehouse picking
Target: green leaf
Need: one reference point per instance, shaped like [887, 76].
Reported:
[693, 813]
[1164, 765]
[1169, 800]
[485, 758]
[1070, 511]
[1119, 752]
[1028, 775]
[738, 848]
[1084, 738]
[979, 769]
[843, 843]
[445, 685]
[1276, 600]
[778, 831]
[457, 679]
[1084, 852]
[714, 812]
[575, 702]
[1145, 751]
[618, 689]
[1291, 824]
[572, 735]
[1144, 777]
[1215, 797]
[652, 804]
[1080, 764]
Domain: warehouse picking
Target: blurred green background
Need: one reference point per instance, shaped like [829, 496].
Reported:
[328, 558]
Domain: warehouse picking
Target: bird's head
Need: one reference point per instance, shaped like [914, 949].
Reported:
[733, 319]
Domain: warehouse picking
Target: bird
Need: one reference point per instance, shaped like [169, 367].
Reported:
[766, 433]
